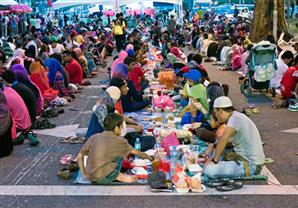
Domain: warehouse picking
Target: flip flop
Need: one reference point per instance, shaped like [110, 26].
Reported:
[66, 159]
[256, 110]
[230, 186]
[214, 184]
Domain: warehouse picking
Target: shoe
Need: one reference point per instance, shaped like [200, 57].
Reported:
[19, 140]
[231, 185]
[293, 108]
[33, 141]
[73, 166]
[64, 174]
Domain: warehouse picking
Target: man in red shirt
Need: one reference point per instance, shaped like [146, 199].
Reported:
[135, 72]
[73, 68]
[289, 82]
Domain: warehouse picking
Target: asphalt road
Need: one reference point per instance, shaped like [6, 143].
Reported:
[39, 165]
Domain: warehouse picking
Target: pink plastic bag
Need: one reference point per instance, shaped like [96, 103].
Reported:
[163, 101]
[169, 141]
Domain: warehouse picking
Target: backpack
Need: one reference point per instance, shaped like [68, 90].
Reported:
[263, 63]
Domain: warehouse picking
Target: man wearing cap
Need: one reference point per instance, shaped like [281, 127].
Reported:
[248, 156]
[197, 90]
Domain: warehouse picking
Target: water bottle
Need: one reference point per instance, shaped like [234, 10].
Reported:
[137, 146]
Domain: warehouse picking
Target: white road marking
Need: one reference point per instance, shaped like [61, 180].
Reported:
[271, 178]
[293, 131]
[39, 190]
[60, 131]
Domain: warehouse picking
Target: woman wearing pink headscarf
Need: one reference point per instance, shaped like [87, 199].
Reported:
[236, 57]
[121, 56]
[129, 47]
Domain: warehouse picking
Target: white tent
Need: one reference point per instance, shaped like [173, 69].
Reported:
[116, 3]
[8, 2]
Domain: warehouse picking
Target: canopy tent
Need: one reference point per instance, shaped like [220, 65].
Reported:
[8, 2]
[116, 3]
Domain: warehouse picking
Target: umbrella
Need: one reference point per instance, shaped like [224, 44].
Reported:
[137, 12]
[4, 12]
[109, 13]
[20, 8]
[149, 11]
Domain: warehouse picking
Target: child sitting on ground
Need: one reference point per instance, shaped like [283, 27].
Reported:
[105, 153]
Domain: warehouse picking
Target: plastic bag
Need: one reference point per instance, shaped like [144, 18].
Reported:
[163, 101]
[169, 141]
[167, 78]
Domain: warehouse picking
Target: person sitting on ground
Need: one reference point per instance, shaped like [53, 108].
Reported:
[18, 110]
[135, 72]
[105, 153]
[176, 56]
[6, 144]
[121, 56]
[248, 156]
[82, 61]
[56, 47]
[289, 84]
[282, 66]
[133, 100]
[56, 77]
[22, 77]
[39, 77]
[73, 68]
[28, 97]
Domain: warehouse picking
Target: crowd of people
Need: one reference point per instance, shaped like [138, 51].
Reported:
[46, 67]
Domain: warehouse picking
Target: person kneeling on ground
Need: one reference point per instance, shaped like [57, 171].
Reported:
[248, 157]
[105, 153]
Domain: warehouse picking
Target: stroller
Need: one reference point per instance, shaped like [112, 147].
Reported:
[262, 67]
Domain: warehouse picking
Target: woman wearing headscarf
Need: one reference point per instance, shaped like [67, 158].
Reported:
[236, 57]
[6, 144]
[121, 56]
[134, 100]
[22, 77]
[55, 75]
[82, 61]
[104, 105]
[175, 56]
[20, 55]
[39, 76]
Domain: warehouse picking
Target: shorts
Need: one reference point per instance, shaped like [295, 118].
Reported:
[112, 176]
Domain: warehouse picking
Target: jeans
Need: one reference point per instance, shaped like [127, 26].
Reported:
[228, 169]
[4, 30]
[94, 127]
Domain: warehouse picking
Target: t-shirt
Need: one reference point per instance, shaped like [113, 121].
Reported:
[80, 39]
[199, 93]
[17, 108]
[290, 78]
[102, 150]
[75, 72]
[247, 141]
[38, 23]
[58, 49]
[136, 76]
[281, 70]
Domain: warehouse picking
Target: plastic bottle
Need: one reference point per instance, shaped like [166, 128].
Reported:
[137, 145]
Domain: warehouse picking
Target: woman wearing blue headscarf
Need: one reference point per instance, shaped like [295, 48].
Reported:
[55, 76]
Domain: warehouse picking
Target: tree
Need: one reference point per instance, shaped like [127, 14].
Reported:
[263, 19]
